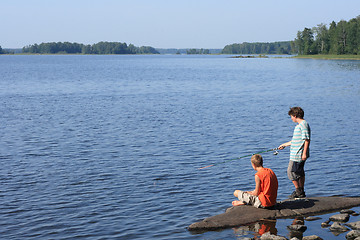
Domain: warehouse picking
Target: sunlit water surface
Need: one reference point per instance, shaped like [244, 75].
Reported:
[108, 147]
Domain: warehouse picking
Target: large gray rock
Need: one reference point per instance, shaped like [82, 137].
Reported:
[241, 215]
[342, 217]
[354, 234]
[337, 227]
[354, 225]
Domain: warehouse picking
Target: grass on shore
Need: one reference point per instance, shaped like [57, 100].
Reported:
[323, 56]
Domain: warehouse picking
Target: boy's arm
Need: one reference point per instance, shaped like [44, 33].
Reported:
[306, 147]
[282, 146]
[256, 191]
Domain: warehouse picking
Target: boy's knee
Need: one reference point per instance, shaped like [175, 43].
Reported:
[236, 193]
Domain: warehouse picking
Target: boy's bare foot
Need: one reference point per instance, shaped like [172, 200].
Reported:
[237, 203]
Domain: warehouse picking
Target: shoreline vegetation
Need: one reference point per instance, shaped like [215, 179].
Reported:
[329, 57]
[340, 41]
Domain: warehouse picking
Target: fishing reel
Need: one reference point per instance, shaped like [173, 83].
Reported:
[276, 151]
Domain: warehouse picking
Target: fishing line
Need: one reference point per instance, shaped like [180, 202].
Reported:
[249, 155]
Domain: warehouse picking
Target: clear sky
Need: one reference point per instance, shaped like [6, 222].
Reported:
[165, 23]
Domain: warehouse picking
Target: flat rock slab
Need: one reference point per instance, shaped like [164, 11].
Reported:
[241, 215]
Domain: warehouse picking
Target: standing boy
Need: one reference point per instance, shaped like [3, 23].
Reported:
[265, 192]
[299, 151]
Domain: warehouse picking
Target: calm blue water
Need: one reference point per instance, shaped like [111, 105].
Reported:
[108, 147]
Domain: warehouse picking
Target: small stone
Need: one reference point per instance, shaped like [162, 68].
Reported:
[343, 217]
[294, 238]
[312, 218]
[353, 234]
[325, 224]
[312, 237]
[348, 211]
[354, 225]
[269, 236]
[337, 227]
[299, 228]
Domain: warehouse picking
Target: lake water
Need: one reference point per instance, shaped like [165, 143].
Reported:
[108, 147]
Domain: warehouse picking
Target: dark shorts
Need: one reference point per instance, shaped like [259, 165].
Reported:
[296, 170]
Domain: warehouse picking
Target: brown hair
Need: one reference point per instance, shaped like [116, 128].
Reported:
[297, 112]
[257, 160]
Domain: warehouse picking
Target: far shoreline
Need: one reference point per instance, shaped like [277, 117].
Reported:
[317, 56]
[329, 57]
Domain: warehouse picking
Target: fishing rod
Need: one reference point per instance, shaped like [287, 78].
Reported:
[249, 155]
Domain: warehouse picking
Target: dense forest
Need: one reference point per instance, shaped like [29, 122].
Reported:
[258, 48]
[340, 38]
[188, 51]
[98, 48]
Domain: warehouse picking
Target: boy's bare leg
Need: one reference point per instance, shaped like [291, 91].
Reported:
[296, 183]
[299, 183]
[237, 203]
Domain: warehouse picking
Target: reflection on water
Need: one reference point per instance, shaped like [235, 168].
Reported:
[256, 230]
[282, 227]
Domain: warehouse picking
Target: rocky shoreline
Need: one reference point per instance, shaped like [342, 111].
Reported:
[337, 224]
[262, 221]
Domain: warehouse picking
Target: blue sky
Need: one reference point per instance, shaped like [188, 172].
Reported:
[165, 23]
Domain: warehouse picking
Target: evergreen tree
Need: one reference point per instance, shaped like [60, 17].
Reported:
[333, 39]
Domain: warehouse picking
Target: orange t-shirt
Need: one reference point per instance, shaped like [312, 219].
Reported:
[268, 187]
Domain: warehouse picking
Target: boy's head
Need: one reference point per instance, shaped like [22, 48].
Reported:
[257, 160]
[297, 112]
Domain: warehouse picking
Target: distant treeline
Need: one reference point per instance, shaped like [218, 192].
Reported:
[340, 38]
[78, 48]
[188, 51]
[258, 48]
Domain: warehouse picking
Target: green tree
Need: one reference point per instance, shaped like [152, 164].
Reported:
[322, 39]
[342, 36]
[308, 38]
[352, 45]
[333, 42]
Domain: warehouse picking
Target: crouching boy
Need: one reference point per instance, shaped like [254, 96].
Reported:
[265, 192]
